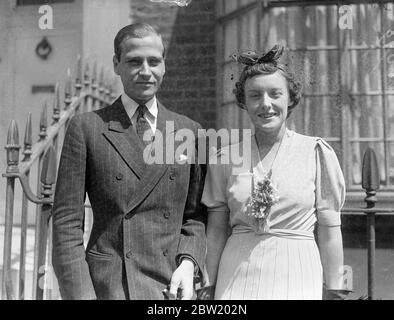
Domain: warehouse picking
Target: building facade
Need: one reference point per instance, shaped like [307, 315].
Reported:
[36, 48]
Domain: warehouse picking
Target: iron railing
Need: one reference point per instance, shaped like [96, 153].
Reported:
[89, 94]
[370, 183]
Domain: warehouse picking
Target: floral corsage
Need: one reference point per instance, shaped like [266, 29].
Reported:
[264, 196]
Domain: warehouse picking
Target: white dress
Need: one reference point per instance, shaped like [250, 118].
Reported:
[279, 259]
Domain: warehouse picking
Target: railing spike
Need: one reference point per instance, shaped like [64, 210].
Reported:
[67, 90]
[43, 122]
[79, 70]
[48, 172]
[370, 171]
[78, 79]
[110, 85]
[12, 147]
[86, 81]
[86, 74]
[56, 104]
[28, 141]
[94, 74]
[113, 87]
[107, 91]
[101, 77]
[13, 133]
[101, 84]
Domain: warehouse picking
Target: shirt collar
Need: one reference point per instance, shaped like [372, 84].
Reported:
[131, 106]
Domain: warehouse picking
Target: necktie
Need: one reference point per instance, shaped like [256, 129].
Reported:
[142, 123]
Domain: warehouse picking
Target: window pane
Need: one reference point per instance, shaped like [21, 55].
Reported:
[249, 31]
[230, 116]
[322, 116]
[321, 72]
[245, 120]
[321, 25]
[365, 70]
[219, 8]
[230, 5]
[366, 25]
[337, 146]
[296, 120]
[390, 108]
[391, 163]
[388, 23]
[389, 61]
[230, 77]
[230, 39]
[357, 153]
[246, 2]
[273, 28]
[366, 115]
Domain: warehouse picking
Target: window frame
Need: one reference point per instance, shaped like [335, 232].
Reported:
[23, 3]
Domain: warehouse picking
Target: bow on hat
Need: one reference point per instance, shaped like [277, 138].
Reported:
[251, 58]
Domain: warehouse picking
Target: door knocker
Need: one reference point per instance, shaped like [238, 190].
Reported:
[44, 49]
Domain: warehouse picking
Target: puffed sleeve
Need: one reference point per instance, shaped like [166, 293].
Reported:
[214, 194]
[330, 185]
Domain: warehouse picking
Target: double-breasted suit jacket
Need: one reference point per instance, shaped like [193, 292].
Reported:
[145, 215]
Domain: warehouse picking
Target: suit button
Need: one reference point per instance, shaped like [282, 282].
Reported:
[129, 254]
[172, 176]
[119, 176]
[165, 253]
[166, 215]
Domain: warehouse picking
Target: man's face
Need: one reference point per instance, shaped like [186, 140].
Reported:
[141, 67]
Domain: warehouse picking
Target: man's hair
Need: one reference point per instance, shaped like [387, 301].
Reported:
[135, 30]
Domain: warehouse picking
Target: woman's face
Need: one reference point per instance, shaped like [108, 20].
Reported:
[267, 99]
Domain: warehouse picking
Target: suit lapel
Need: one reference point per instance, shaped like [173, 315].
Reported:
[121, 135]
[153, 172]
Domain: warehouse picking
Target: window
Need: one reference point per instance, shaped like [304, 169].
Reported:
[348, 74]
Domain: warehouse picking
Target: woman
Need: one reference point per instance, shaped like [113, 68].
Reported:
[272, 206]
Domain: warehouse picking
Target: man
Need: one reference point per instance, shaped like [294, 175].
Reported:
[148, 231]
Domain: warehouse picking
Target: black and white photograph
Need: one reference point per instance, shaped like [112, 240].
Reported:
[218, 151]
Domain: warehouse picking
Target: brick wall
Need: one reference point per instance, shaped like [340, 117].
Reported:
[189, 86]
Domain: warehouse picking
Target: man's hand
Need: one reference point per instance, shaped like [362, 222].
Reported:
[182, 278]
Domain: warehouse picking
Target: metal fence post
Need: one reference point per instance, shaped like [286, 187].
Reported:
[48, 179]
[42, 136]
[78, 79]
[22, 264]
[12, 148]
[371, 183]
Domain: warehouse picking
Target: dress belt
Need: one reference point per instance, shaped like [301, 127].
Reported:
[283, 233]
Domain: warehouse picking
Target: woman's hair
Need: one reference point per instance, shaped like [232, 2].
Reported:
[266, 63]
